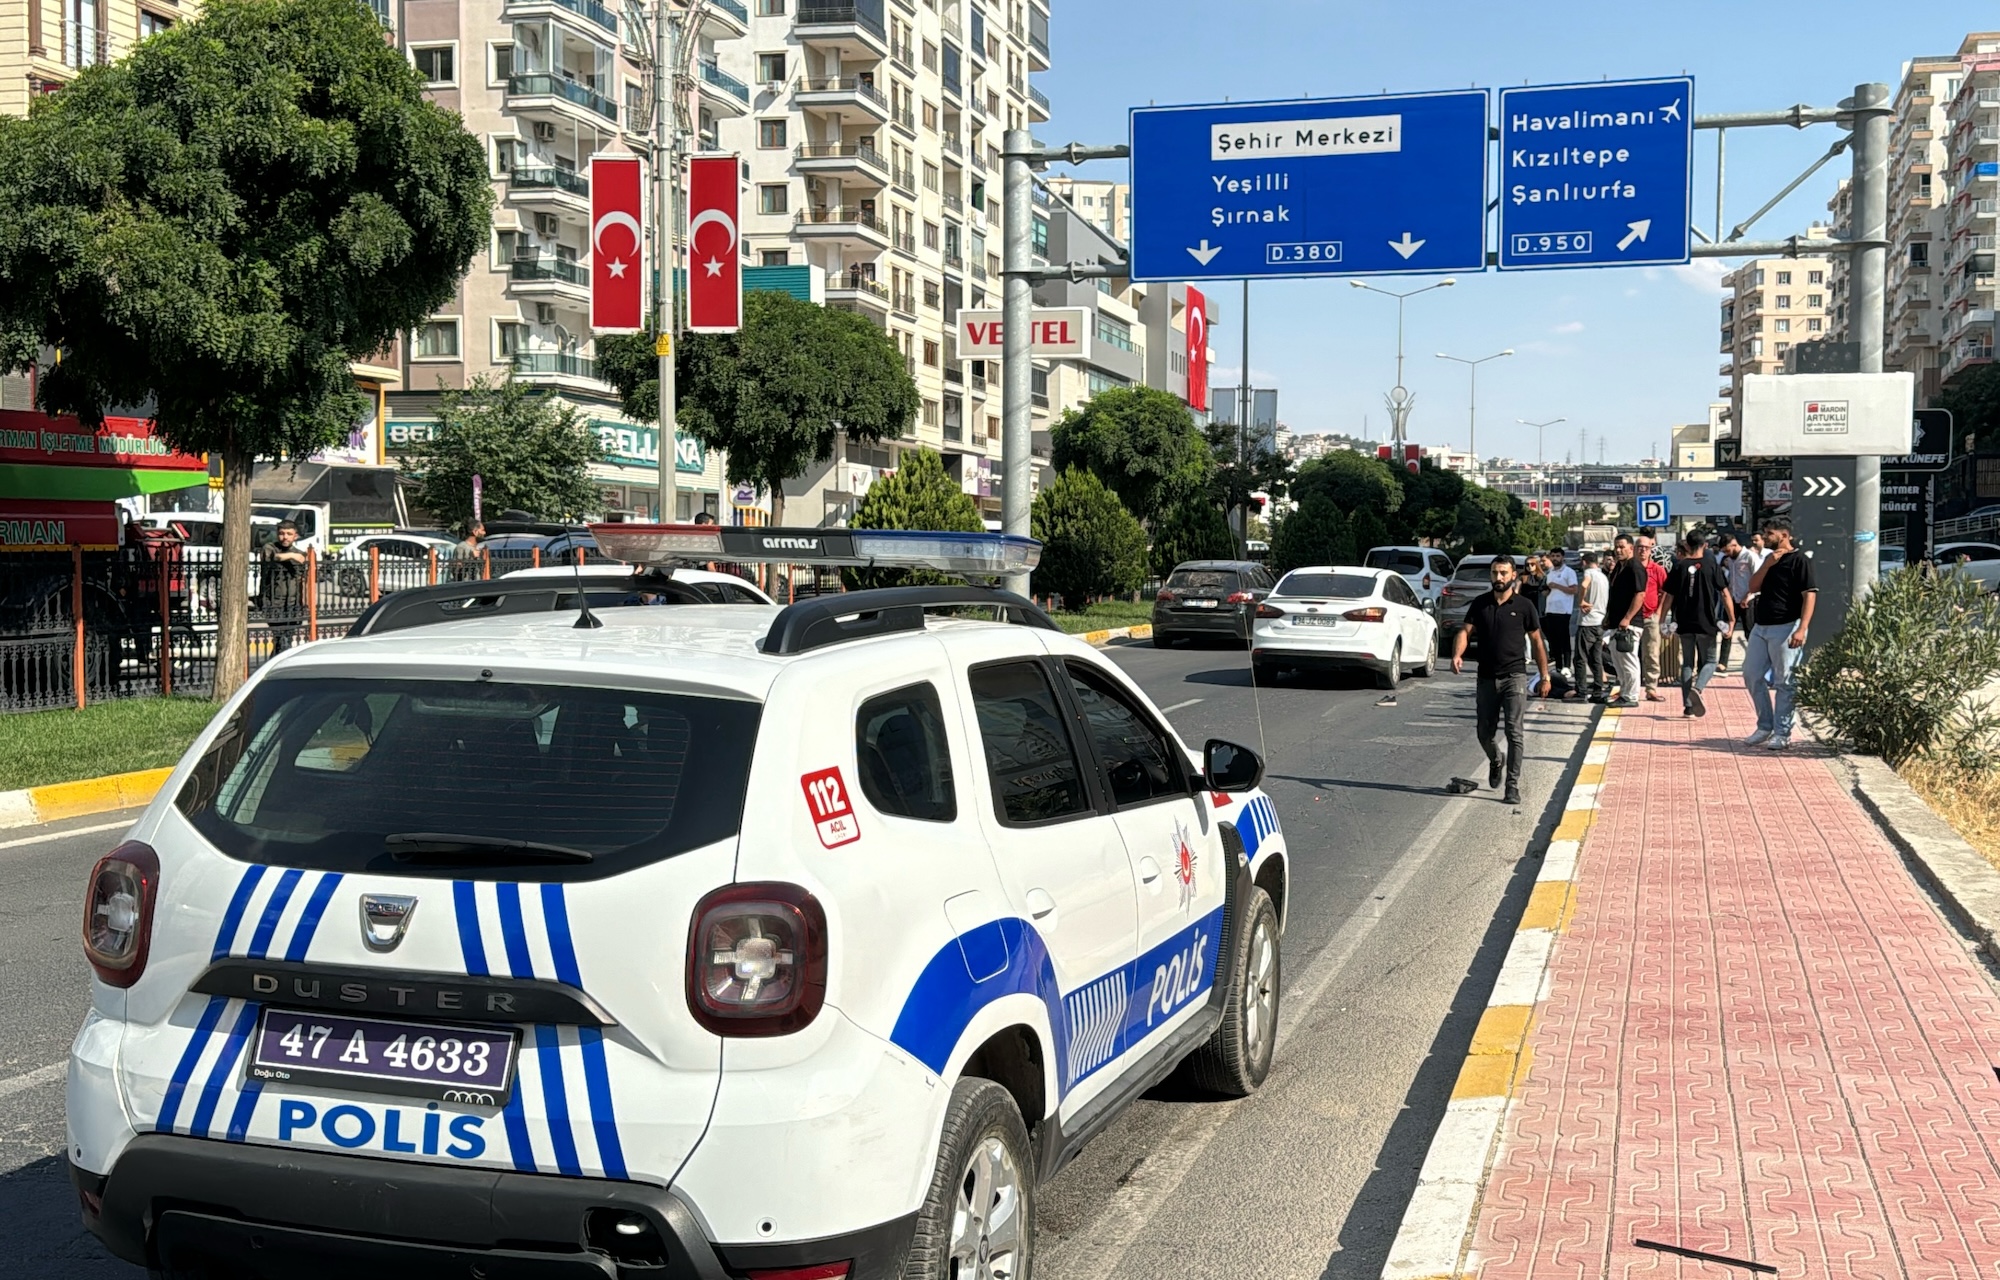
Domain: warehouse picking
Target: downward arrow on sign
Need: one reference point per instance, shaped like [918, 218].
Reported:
[1406, 246]
[1206, 252]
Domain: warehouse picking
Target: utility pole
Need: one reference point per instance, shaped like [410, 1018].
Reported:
[1541, 466]
[1399, 399]
[1472, 405]
[1017, 382]
[1868, 266]
[1245, 399]
[666, 202]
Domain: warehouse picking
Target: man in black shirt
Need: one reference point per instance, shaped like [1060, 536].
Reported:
[1622, 636]
[1698, 589]
[1507, 627]
[1785, 593]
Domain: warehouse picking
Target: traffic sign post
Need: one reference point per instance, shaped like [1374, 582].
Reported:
[1654, 511]
[1596, 175]
[1824, 503]
[1909, 481]
[1318, 187]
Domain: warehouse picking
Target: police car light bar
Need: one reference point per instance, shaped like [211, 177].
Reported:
[981, 555]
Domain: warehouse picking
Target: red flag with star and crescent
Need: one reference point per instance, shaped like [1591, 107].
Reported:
[617, 255]
[1197, 351]
[715, 263]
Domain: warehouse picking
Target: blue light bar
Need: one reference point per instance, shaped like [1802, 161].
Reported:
[980, 555]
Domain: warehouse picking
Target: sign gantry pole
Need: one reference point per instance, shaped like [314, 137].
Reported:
[1017, 414]
[1867, 268]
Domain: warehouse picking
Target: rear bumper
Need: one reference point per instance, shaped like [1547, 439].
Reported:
[1226, 621]
[190, 1204]
[1280, 656]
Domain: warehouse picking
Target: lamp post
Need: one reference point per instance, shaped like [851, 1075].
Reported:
[1400, 398]
[1472, 405]
[1541, 465]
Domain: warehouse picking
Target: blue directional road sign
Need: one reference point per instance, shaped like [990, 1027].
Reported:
[1596, 175]
[1319, 187]
[1653, 510]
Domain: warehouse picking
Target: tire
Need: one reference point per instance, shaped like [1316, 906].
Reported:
[986, 1167]
[1263, 674]
[351, 582]
[1430, 663]
[1162, 641]
[1392, 675]
[1238, 1056]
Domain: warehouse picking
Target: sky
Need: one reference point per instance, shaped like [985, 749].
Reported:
[1622, 354]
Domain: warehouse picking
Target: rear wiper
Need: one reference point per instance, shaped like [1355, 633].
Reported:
[411, 844]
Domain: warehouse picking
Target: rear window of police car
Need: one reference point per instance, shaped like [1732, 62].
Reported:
[319, 773]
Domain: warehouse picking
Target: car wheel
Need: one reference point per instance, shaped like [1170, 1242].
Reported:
[1238, 1056]
[351, 582]
[1431, 662]
[1391, 674]
[978, 1219]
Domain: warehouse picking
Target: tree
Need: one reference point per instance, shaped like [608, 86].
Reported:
[919, 494]
[530, 452]
[774, 394]
[1139, 441]
[1429, 511]
[1486, 519]
[1536, 532]
[1352, 481]
[219, 223]
[1262, 470]
[1190, 528]
[1317, 533]
[1974, 401]
[1091, 545]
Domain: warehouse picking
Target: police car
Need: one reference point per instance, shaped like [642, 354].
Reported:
[508, 937]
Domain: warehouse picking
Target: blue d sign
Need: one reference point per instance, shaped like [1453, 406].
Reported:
[1653, 510]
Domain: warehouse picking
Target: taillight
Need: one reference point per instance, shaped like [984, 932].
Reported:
[118, 913]
[757, 960]
[1241, 597]
[1266, 611]
[821, 1271]
[1365, 615]
[1165, 596]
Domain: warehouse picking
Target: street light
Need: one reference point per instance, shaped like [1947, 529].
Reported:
[1472, 407]
[1541, 465]
[1399, 399]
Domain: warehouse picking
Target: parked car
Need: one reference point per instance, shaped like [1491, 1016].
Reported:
[1468, 583]
[394, 551]
[1980, 559]
[1426, 569]
[1338, 616]
[1208, 598]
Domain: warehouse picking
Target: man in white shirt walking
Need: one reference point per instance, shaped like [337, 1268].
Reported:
[1558, 612]
[1593, 592]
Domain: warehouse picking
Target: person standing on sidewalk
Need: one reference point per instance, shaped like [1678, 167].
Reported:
[1699, 592]
[1786, 593]
[1649, 616]
[1740, 562]
[1593, 593]
[1624, 600]
[281, 586]
[1508, 630]
[1558, 613]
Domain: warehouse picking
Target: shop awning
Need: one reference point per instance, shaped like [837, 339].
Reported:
[58, 459]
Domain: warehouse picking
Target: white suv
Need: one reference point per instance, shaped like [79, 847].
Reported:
[712, 941]
[1426, 569]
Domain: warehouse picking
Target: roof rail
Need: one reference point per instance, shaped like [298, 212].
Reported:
[502, 597]
[854, 615]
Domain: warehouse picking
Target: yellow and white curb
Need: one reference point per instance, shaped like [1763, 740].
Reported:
[1435, 1240]
[31, 805]
[1104, 637]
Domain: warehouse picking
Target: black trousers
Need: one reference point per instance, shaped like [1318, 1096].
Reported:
[1590, 660]
[1504, 699]
[1555, 634]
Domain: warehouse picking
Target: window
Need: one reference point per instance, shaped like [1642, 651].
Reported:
[503, 63]
[436, 63]
[152, 24]
[1784, 302]
[436, 340]
[770, 8]
[1784, 277]
[930, 56]
[1039, 236]
[770, 68]
[1819, 277]
[775, 258]
[930, 352]
[1030, 759]
[1783, 326]
[905, 758]
[508, 244]
[950, 70]
[1813, 326]
[930, 116]
[930, 176]
[771, 134]
[1920, 254]
[930, 235]
[507, 340]
[773, 199]
[930, 413]
[932, 298]
[1815, 300]
[1783, 347]
[1136, 754]
[1104, 382]
[507, 153]
[1114, 331]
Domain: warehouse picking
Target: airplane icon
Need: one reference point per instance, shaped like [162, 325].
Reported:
[1672, 110]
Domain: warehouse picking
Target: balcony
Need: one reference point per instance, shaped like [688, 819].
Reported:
[862, 290]
[1038, 104]
[590, 11]
[953, 205]
[848, 99]
[954, 262]
[558, 98]
[906, 182]
[852, 28]
[723, 91]
[1728, 369]
[549, 278]
[906, 122]
[842, 159]
[1038, 51]
[847, 225]
[951, 147]
[906, 243]
[550, 189]
[725, 19]
[538, 366]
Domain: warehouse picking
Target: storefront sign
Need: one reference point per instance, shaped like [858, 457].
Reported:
[28, 438]
[30, 524]
[626, 445]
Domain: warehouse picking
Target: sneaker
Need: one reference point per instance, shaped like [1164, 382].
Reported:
[1622, 704]
[1494, 773]
[1695, 705]
[1778, 744]
[1757, 738]
[1513, 796]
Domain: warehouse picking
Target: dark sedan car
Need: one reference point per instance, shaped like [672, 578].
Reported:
[1212, 598]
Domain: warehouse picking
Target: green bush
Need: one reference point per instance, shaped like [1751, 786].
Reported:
[920, 494]
[1317, 533]
[1191, 528]
[1895, 682]
[1091, 545]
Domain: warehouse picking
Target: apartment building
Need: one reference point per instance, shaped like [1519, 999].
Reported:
[44, 43]
[1105, 205]
[1770, 304]
[871, 146]
[1919, 212]
[1966, 293]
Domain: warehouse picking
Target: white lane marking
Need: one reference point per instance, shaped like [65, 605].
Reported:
[1179, 706]
[1101, 1246]
[64, 835]
[32, 1079]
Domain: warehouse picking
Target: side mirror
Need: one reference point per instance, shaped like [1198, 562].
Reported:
[1228, 767]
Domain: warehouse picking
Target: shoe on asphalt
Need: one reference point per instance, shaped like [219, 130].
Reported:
[1494, 773]
[1512, 797]
[1695, 705]
[1761, 736]
[1778, 744]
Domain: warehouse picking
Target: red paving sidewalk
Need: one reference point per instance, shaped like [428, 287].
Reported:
[1760, 1039]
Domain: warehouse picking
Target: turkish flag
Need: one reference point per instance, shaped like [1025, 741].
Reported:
[617, 252]
[715, 267]
[1197, 351]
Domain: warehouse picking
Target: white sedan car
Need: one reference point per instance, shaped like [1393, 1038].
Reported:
[1338, 616]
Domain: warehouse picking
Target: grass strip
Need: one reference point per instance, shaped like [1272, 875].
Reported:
[1106, 614]
[39, 747]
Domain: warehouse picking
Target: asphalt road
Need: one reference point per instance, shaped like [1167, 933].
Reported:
[1402, 902]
